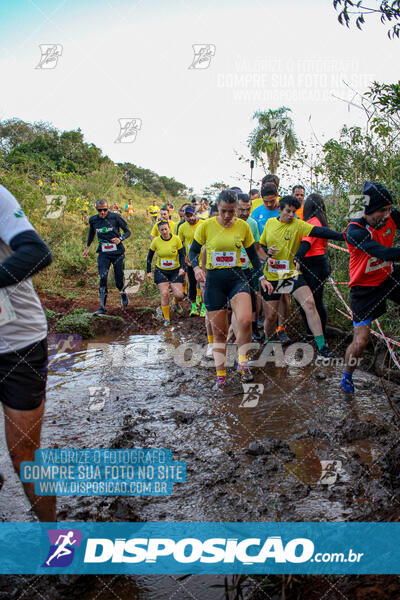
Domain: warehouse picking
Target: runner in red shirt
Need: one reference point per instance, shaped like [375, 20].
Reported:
[373, 278]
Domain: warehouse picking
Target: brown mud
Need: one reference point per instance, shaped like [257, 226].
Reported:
[299, 451]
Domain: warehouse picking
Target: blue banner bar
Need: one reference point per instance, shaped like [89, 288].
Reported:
[213, 548]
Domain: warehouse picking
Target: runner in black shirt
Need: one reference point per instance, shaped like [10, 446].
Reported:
[110, 249]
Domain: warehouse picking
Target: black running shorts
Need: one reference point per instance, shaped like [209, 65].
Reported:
[23, 376]
[222, 285]
[167, 276]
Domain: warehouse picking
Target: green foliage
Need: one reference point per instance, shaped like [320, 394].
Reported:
[387, 11]
[77, 322]
[273, 133]
[145, 180]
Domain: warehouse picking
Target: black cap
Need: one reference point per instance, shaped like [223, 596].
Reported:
[375, 197]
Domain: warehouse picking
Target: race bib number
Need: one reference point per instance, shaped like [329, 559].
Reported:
[167, 263]
[244, 261]
[374, 264]
[7, 313]
[108, 247]
[224, 259]
[282, 266]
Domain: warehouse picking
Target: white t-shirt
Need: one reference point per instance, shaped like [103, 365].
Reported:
[29, 324]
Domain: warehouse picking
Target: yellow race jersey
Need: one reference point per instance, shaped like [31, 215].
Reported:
[186, 234]
[154, 232]
[223, 244]
[167, 252]
[256, 203]
[203, 214]
[286, 237]
[153, 210]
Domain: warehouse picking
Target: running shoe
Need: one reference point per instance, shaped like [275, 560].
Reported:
[347, 384]
[203, 310]
[260, 322]
[282, 337]
[166, 323]
[194, 312]
[221, 382]
[179, 309]
[124, 299]
[209, 351]
[325, 353]
[244, 372]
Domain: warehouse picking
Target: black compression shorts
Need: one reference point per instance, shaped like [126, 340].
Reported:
[284, 286]
[369, 302]
[167, 276]
[222, 285]
[23, 376]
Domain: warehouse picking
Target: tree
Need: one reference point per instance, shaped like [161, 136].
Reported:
[273, 134]
[214, 189]
[388, 11]
[14, 132]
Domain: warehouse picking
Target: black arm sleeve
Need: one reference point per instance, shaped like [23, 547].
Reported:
[360, 237]
[255, 261]
[302, 251]
[31, 254]
[124, 226]
[92, 233]
[149, 259]
[181, 254]
[194, 253]
[326, 234]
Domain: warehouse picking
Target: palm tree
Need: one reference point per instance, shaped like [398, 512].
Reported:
[273, 132]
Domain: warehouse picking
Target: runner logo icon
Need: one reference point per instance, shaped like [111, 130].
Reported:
[61, 552]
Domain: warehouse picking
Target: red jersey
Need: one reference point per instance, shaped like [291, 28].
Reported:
[366, 269]
[318, 246]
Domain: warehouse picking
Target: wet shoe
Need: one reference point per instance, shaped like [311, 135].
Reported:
[124, 299]
[221, 383]
[166, 323]
[209, 351]
[101, 311]
[179, 309]
[325, 353]
[203, 310]
[347, 384]
[244, 372]
[194, 312]
[282, 337]
[260, 323]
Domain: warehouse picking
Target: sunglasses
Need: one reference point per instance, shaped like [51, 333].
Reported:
[102, 209]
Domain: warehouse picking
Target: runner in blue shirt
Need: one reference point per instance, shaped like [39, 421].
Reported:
[269, 208]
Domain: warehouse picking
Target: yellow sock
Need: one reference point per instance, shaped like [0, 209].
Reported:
[221, 373]
[210, 339]
[165, 312]
[242, 358]
[198, 296]
[185, 288]
[176, 301]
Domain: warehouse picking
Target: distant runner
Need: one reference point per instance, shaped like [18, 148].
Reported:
[186, 233]
[110, 250]
[164, 216]
[153, 211]
[298, 191]
[169, 270]
[373, 278]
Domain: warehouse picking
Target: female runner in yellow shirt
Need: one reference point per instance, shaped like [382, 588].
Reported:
[224, 236]
[170, 268]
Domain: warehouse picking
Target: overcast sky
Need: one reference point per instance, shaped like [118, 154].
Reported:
[123, 59]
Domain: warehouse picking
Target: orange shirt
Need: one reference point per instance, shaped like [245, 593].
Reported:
[318, 246]
[300, 211]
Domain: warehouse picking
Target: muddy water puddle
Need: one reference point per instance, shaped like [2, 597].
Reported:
[289, 447]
